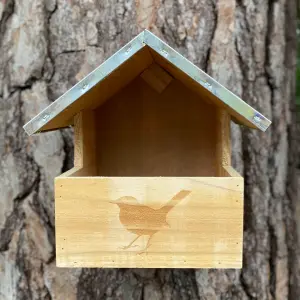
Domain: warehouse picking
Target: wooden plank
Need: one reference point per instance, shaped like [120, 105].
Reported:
[156, 77]
[78, 140]
[80, 171]
[85, 139]
[223, 154]
[149, 222]
[230, 172]
[71, 172]
[141, 132]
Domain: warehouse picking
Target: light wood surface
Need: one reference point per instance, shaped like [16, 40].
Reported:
[78, 140]
[141, 132]
[84, 139]
[155, 126]
[156, 77]
[72, 172]
[229, 171]
[79, 171]
[85, 142]
[223, 157]
[162, 222]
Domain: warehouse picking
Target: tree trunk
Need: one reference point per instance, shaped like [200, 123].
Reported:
[248, 46]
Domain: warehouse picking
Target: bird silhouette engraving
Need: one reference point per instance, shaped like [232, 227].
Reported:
[143, 220]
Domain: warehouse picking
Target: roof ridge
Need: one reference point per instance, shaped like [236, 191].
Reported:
[245, 113]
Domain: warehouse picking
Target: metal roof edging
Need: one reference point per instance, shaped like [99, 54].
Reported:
[84, 85]
[127, 51]
[226, 96]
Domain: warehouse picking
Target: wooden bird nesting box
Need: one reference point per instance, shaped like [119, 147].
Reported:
[152, 183]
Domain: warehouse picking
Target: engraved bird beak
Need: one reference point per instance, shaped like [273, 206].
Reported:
[115, 201]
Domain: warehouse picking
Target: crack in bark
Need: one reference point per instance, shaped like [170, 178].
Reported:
[270, 26]
[39, 209]
[68, 148]
[207, 59]
[248, 212]
[243, 8]
[69, 52]
[25, 261]
[21, 88]
[48, 39]
[167, 30]
[293, 130]
[48, 294]
[271, 229]
[241, 65]
[23, 294]
[142, 294]
[9, 10]
[17, 215]
[245, 288]
[272, 259]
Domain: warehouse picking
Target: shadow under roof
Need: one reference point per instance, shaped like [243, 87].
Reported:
[126, 64]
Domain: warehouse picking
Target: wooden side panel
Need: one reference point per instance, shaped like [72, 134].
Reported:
[229, 171]
[141, 132]
[79, 171]
[162, 222]
[78, 140]
[85, 140]
[223, 157]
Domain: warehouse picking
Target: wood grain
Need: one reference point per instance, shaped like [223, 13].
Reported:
[108, 222]
[85, 141]
[223, 156]
[230, 172]
[79, 171]
[141, 132]
[156, 77]
[78, 140]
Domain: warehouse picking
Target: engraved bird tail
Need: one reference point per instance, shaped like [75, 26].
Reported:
[175, 200]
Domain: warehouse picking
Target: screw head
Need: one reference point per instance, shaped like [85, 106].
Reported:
[164, 52]
[128, 49]
[46, 117]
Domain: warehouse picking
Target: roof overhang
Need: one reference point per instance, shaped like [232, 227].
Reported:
[122, 67]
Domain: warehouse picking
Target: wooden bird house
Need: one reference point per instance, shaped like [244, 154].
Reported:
[152, 183]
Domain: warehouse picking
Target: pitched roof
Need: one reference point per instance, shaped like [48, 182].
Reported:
[122, 67]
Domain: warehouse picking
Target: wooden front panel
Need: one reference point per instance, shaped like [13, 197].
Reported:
[149, 222]
[143, 132]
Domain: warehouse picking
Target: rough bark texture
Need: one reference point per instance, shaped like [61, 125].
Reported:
[47, 46]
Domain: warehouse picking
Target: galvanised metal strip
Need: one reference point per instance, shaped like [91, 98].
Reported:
[206, 81]
[130, 49]
[86, 84]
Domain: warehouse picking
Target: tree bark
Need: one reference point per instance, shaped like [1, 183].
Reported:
[248, 46]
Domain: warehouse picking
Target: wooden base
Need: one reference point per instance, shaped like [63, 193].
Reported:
[149, 222]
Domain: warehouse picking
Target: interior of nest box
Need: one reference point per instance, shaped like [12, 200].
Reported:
[154, 125]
